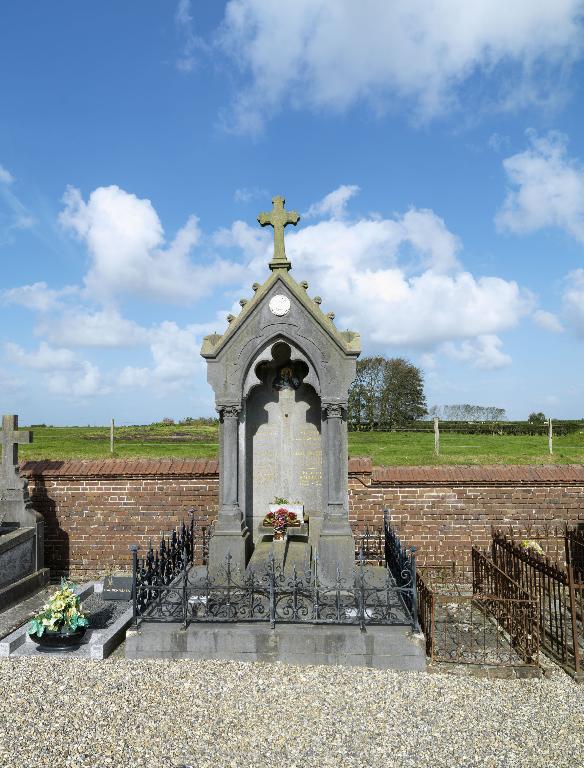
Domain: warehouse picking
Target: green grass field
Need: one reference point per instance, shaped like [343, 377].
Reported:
[406, 448]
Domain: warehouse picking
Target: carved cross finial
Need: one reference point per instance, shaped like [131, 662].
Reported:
[279, 218]
[11, 439]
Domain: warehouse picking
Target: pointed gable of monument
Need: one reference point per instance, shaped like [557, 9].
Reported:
[282, 283]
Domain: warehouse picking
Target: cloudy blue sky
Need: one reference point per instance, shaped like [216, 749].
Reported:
[434, 149]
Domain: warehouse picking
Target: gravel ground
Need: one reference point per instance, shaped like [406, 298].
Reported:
[146, 714]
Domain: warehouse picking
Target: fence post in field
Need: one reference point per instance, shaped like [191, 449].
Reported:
[436, 436]
[550, 436]
[112, 437]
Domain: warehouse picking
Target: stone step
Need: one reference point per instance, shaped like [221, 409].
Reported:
[286, 553]
[298, 554]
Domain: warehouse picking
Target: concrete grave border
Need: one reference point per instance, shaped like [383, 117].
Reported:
[102, 642]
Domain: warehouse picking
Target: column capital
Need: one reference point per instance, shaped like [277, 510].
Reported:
[228, 411]
[333, 410]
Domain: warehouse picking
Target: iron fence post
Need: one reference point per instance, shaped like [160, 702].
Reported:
[192, 536]
[134, 551]
[416, 624]
[184, 589]
[272, 581]
[362, 591]
[433, 626]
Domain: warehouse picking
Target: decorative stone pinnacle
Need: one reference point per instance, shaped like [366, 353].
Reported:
[255, 287]
[330, 315]
[278, 218]
[317, 300]
[242, 302]
[230, 318]
[304, 285]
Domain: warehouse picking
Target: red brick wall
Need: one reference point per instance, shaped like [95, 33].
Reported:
[95, 510]
[443, 510]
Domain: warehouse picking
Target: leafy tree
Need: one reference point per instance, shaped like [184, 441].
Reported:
[536, 418]
[386, 391]
[365, 392]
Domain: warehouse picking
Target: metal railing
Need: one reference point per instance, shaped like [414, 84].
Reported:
[170, 588]
[558, 588]
[372, 544]
[401, 561]
[495, 625]
[161, 567]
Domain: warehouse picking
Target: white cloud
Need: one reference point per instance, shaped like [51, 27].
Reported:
[254, 242]
[335, 203]
[37, 296]
[247, 194]
[573, 301]
[483, 352]
[547, 189]
[176, 360]
[125, 241]
[85, 328]
[548, 321]
[498, 142]
[183, 18]
[86, 381]
[45, 358]
[399, 283]
[396, 280]
[64, 375]
[5, 176]
[333, 53]
[10, 384]
[18, 217]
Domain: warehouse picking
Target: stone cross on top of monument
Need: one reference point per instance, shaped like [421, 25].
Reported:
[11, 439]
[279, 218]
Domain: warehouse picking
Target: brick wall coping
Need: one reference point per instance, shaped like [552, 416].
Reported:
[495, 474]
[120, 468]
[143, 467]
[487, 474]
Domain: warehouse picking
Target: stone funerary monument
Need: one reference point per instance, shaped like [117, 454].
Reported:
[281, 374]
[21, 526]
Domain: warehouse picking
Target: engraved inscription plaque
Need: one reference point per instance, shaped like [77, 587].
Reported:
[284, 455]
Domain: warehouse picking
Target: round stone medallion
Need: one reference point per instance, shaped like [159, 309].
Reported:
[279, 305]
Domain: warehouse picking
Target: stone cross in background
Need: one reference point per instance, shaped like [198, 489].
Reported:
[11, 439]
[279, 218]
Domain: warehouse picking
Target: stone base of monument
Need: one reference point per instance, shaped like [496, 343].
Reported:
[19, 575]
[379, 647]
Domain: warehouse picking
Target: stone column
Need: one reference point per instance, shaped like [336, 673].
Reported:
[230, 533]
[336, 545]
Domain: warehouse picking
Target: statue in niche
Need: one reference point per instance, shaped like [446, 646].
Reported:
[286, 379]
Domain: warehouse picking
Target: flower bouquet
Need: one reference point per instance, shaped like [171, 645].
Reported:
[280, 520]
[532, 546]
[62, 622]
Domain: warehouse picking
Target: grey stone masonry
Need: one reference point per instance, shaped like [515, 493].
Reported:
[21, 526]
[14, 498]
[281, 373]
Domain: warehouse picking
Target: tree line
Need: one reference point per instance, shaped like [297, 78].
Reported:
[390, 392]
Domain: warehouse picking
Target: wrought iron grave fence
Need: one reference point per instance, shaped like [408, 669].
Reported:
[492, 623]
[183, 593]
[558, 588]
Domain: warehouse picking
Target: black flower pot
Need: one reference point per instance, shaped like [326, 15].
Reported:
[60, 641]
